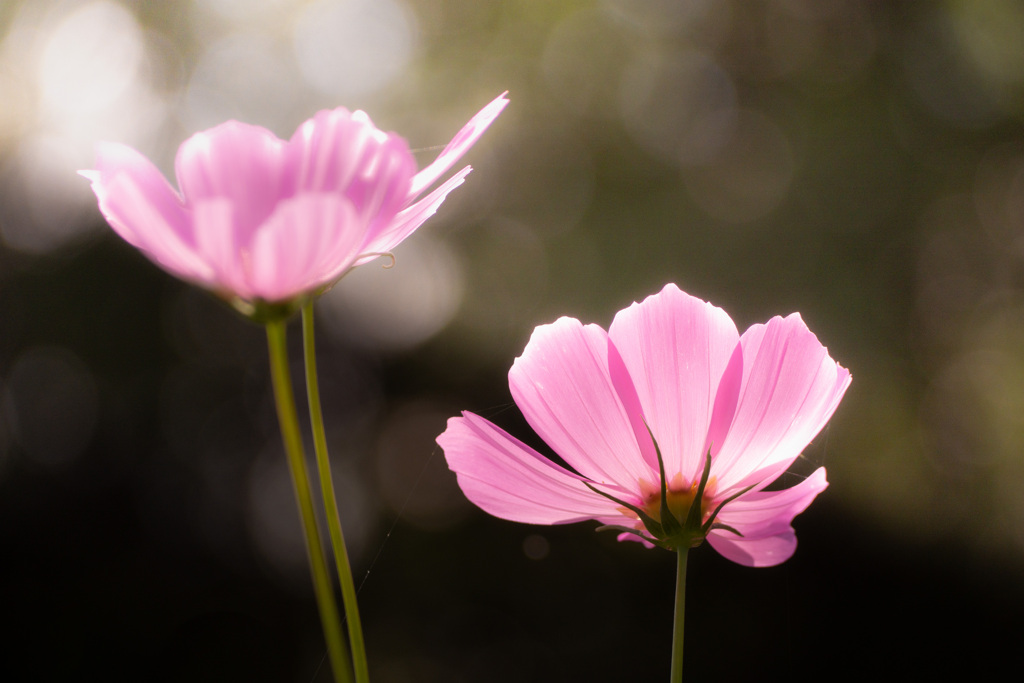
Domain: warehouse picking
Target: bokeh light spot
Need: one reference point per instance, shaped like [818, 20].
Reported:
[354, 47]
[244, 76]
[679, 107]
[54, 405]
[749, 176]
[399, 307]
[414, 480]
[90, 59]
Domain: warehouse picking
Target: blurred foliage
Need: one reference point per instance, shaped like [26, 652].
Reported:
[860, 162]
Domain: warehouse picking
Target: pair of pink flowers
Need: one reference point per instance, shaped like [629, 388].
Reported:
[673, 422]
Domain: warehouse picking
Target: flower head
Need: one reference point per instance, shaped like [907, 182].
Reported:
[259, 219]
[673, 422]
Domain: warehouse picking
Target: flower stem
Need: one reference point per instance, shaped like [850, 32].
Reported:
[677, 629]
[323, 463]
[286, 415]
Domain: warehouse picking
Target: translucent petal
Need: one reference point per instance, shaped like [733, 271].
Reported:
[510, 480]
[411, 218]
[344, 153]
[770, 513]
[141, 207]
[763, 552]
[459, 145]
[308, 241]
[790, 388]
[676, 348]
[236, 162]
[563, 385]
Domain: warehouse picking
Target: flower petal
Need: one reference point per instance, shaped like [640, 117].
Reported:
[790, 388]
[309, 241]
[237, 162]
[144, 209]
[564, 387]
[336, 151]
[765, 519]
[676, 348]
[411, 218]
[763, 552]
[770, 513]
[508, 479]
[215, 227]
[459, 145]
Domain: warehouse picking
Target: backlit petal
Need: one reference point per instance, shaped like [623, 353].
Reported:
[459, 145]
[563, 385]
[406, 222]
[676, 348]
[762, 552]
[770, 513]
[790, 388]
[309, 241]
[344, 153]
[508, 479]
[237, 162]
[141, 207]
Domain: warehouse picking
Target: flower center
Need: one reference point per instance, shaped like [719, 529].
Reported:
[679, 502]
[680, 497]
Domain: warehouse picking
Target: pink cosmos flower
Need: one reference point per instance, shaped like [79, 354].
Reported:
[731, 410]
[263, 219]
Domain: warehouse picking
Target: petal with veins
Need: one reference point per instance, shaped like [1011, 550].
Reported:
[563, 385]
[508, 479]
[459, 145]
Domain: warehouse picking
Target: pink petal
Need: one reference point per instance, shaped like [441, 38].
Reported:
[564, 387]
[770, 513]
[763, 552]
[508, 479]
[790, 388]
[336, 151]
[142, 208]
[309, 241]
[676, 348]
[411, 218]
[218, 243]
[459, 145]
[237, 162]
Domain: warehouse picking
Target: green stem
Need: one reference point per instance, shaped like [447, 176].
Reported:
[289, 420]
[323, 463]
[677, 629]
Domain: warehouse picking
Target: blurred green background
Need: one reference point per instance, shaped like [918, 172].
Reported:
[859, 162]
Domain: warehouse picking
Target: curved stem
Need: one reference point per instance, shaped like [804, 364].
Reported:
[680, 616]
[286, 415]
[323, 463]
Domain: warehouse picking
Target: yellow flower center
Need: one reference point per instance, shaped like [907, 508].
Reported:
[679, 502]
[680, 497]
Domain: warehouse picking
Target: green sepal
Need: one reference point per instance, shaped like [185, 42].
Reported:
[726, 527]
[652, 524]
[694, 516]
[669, 524]
[263, 312]
[627, 530]
[714, 515]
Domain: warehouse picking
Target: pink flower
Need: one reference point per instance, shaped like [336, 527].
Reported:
[736, 410]
[263, 219]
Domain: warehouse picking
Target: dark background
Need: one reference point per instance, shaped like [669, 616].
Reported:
[859, 162]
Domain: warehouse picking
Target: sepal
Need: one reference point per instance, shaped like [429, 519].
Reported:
[652, 524]
[634, 532]
[263, 312]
